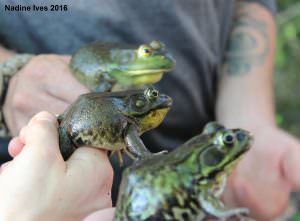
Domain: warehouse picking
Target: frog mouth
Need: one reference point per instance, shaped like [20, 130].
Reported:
[147, 72]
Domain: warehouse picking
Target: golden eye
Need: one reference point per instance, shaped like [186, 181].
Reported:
[152, 93]
[144, 51]
[139, 103]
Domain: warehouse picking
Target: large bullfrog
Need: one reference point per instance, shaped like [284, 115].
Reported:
[112, 120]
[113, 67]
[186, 184]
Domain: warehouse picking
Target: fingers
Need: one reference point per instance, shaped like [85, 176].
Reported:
[240, 193]
[62, 84]
[93, 166]
[41, 137]
[70, 89]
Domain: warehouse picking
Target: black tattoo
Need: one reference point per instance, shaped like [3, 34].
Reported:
[248, 45]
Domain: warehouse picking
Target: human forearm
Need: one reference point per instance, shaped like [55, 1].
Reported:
[245, 96]
[5, 53]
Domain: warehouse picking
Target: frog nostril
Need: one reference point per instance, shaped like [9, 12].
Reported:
[240, 136]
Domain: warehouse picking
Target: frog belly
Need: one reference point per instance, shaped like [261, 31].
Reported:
[99, 140]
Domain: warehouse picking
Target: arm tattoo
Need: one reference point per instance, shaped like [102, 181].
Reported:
[248, 44]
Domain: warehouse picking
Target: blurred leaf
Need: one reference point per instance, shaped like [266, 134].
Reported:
[297, 217]
[290, 31]
[279, 119]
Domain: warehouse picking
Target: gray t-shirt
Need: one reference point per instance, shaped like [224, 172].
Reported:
[195, 31]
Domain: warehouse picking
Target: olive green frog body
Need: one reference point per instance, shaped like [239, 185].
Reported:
[186, 184]
[112, 121]
[113, 67]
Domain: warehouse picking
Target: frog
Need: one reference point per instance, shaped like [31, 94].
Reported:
[112, 121]
[185, 184]
[106, 66]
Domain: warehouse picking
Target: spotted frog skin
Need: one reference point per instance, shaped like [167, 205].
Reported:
[186, 184]
[114, 67]
[112, 121]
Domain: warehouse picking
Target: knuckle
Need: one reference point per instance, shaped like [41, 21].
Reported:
[35, 68]
[51, 57]
[19, 102]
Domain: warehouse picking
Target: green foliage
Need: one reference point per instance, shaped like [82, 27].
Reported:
[287, 78]
[296, 217]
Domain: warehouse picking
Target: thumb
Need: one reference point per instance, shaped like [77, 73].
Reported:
[41, 137]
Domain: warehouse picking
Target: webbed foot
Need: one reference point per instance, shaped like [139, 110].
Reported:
[214, 207]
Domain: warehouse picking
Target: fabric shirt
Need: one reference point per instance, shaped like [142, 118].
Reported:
[194, 31]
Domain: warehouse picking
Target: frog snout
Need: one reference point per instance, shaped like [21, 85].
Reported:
[166, 100]
[167, 61]
[251, 139]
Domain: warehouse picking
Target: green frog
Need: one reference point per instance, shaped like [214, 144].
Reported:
[112, 121]
[114, 67]
[186, 184]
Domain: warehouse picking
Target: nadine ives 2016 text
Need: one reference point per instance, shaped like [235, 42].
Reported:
[35, 8]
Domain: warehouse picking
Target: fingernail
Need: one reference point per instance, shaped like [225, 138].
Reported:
[45, 116]
[51, 120]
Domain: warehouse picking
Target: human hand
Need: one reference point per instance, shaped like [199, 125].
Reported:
[45, 83]
[265, 177]
[39, 185]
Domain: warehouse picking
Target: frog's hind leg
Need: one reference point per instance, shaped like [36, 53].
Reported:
[119, 154]
[112, 153]
[120, 158]
[131, 156]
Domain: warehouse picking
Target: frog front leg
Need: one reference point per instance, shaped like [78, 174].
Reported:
[214, 207]
[104, 82]
[135, 144]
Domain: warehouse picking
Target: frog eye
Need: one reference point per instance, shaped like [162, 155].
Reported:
[152, 93]
[140, 103]
[144, 51]
[229, 138]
